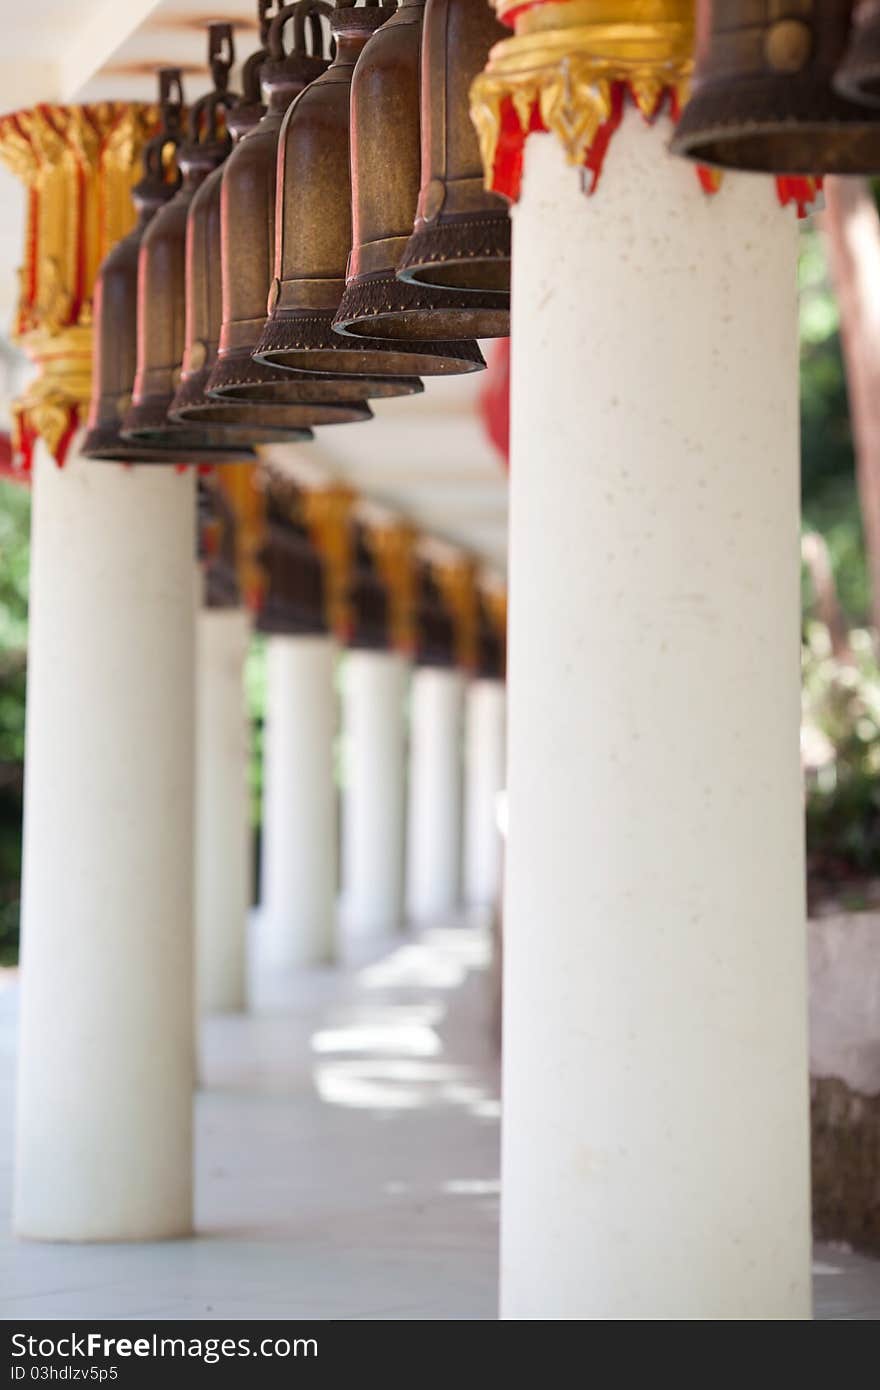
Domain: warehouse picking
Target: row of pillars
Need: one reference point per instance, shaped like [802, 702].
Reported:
[655, 1135]
[137, 826]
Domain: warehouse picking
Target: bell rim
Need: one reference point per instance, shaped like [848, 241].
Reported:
[814, 112]
[316, 343]
[465, 242]
[106, 445]
[193, 406]
[240, 377]
[395, 309]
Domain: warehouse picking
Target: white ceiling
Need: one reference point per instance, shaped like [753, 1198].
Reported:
[425, 456]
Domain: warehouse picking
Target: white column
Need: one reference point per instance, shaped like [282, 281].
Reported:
[434, 812]
[655, 1155]
[374, 741]
[484, 779]
[297, 919]
[223, 857]
[105, 1077]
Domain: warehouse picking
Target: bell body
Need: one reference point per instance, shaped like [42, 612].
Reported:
[368, 601]
[313, 235]
[260, 424]
[115, 355]
[461, 237]
[161, 321]
[386, 168]
[762, 95]
[858, 76]
[247, 260]
[294, 600]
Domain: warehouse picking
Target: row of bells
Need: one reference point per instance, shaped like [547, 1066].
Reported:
[320, 241]
[785, 87]
[325, 238]
[293, 596]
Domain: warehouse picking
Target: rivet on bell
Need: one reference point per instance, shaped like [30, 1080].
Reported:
[788, 45]
[762, 96]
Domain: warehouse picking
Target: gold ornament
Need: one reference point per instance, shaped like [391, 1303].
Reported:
[79, 164]
[393, 545]
[457, 580]
[327, 513]
[560, 70]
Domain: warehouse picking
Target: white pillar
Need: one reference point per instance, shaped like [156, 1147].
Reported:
[434, 832]
[655, 1155]
[373, 713]
[484, 779]
[223, 858]
[297, 919]
[105, 1076]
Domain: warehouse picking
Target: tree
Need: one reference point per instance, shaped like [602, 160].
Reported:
[851, 227]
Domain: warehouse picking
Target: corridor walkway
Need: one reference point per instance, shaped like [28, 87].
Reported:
[347, 1162]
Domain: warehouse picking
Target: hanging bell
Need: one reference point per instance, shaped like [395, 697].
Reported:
[294, 597]
[263, 424]
[461, 239]
[491, 655]
[314, 235]
[248, 239]
[368, 601]
[115, 301]
[762, 95]
[161, 276]
[386, 175]
[858, 76]
[217, 550]
[434, 621]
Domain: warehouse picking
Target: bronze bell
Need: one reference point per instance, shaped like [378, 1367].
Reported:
[762, 96]
[263, 423]
[294, 598]
[385, 180]
[461, 239]
[858, 76]
[115, 301]
[491, 653]
[217, 549]
[434, 621]
[313, 224]
[161, 276]
[248, 239]
[367, 599]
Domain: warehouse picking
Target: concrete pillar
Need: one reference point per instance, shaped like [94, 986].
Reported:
[105, 1076]
[484, 779]
[373, 714]
[655, 1150]
[434, 831]
[223, 851]
[297, 920]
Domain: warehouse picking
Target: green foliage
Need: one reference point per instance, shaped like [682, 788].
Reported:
[840, 740]
[14, 564]
[255, 699]
[828, 487]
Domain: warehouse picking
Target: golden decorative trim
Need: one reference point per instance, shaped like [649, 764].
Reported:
[244, 489]
[393, 544]
[327, 512]
[457, 581]
[559, 70]
[79, 164]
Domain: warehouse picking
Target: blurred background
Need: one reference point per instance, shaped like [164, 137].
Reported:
[840, 450]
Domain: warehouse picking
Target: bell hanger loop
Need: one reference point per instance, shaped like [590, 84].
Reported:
[207, 125]
[170, 102]
[309, 35]
[161, 175]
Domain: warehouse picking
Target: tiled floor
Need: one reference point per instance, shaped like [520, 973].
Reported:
[347, 1163]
